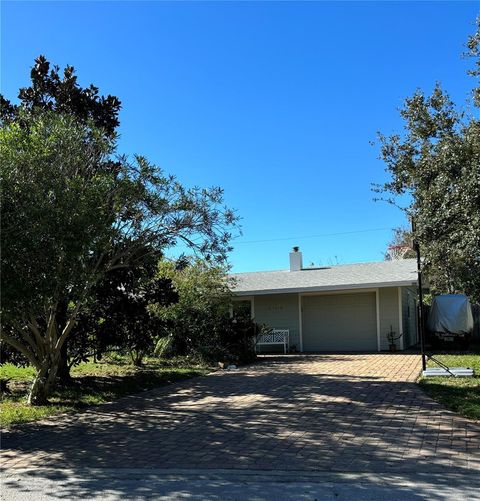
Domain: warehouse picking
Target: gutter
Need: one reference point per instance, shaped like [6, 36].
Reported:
[325, 288]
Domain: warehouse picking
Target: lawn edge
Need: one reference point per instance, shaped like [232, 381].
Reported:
[16, 427]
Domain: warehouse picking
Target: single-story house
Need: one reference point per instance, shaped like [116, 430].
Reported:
[334, 308]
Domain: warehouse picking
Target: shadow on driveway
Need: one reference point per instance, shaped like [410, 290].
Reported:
[300, 415]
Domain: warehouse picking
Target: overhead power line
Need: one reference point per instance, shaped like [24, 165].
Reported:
[303, 237]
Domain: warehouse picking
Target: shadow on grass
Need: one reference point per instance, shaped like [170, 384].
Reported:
[99, 389]
[87, 390]
[458, 395]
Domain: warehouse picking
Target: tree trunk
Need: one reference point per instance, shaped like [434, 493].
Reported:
[137, 358]
[63, 372]
[42, 347]
[43, 383]
[38, 391]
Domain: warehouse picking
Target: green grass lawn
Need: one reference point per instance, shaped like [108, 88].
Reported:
[459, 394]
[93, 383]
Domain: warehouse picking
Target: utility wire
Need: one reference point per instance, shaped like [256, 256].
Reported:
[309, 236]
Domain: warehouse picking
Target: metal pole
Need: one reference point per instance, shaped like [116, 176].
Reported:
[421, 317]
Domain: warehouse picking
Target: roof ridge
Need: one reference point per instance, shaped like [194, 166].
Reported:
[260, 271]
[316, 268]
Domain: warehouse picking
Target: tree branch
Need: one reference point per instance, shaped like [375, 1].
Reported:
[22, 349]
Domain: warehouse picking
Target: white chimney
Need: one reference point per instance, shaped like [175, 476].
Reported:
[296, 260]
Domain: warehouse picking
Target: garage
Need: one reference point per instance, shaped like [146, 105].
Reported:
[339, 322]
[348, 307]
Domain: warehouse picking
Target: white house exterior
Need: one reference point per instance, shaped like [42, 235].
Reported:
[338, 308]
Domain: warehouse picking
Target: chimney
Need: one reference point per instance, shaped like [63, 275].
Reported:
[296, 260]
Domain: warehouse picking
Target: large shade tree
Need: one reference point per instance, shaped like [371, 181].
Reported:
[53, 90]
[436, 161]
[68, 218]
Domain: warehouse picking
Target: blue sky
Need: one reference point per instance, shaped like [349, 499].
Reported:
[275, 102]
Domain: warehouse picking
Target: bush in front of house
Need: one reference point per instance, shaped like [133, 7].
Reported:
[199, 324]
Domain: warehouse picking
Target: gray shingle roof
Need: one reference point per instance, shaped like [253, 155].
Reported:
[346, 276]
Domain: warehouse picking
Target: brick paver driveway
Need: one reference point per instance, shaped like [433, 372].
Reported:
[310, 413]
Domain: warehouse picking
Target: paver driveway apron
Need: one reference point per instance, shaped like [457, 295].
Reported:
[299, 413]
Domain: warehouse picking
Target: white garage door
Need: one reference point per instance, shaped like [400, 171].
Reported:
[340, 322]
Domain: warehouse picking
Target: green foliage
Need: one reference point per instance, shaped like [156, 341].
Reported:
[119, 316]
[437, 162]
[202, 289]
[199, 324]
[8, 354]
[58, 217]
[14, 410]
[55, 216]
[73, 212]
[51, 91]
[459, 394]
[203, 298]
[163, 346]
[16, 373]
